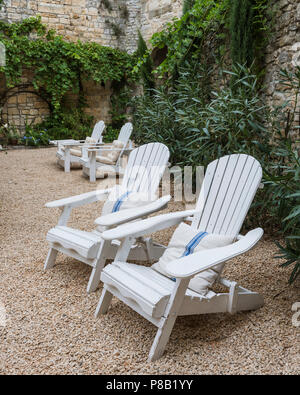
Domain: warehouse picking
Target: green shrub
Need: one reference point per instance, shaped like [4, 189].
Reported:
[119, 104]
[282, 178]
[250, 23]
[70, 124]
[198, 124]
[35, 137]
[284, 189]
[9, 134]
[146, 68]
[241, 28]
[110, 134]
[187, 6]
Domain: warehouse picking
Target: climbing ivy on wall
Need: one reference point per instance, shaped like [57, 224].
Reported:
[58, 65]
[215, 28]
[185, 37]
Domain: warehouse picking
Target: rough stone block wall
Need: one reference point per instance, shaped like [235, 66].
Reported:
[97, 100]
[87, 20]
[155, 14]
[82, 19]
[91, 20]
[283, 51]
[22, 105]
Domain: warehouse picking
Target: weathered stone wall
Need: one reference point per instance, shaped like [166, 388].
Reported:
[283, 51]
[81, 19]
[155, 14]
[118, 26]
[22, 105]
[87, 20]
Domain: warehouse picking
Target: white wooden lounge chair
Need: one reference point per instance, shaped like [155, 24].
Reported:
[98, 162]
[70, 151]
[144, 170]
[228, 189]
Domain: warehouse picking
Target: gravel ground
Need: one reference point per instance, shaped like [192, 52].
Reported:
[51, 328]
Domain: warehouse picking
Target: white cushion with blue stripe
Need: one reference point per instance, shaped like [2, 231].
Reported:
[122, 199]
[187, 240]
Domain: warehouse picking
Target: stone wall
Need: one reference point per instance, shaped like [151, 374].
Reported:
[155, 14]
[118, 26]
[87, 20]
[284, 49]
[95, 20]
[81, 19]
[22, 105]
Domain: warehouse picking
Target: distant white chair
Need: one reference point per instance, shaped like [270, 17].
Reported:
[143, 173]
[227, 192]
[107, 159]
[70, 151]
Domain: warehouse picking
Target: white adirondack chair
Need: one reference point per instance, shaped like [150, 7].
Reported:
[144, 170]
[94, 160]
[227, 192]
[70, 151]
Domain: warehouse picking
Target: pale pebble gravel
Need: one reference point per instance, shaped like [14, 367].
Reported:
[51, 327]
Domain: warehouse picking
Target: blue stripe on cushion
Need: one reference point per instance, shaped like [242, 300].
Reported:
[189, 249]
[119, 202]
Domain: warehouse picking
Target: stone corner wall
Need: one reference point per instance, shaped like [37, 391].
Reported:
[283, 51]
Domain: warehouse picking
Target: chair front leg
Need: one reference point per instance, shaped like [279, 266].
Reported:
[102, 255]
[93, 166]
[67, 159]
[95, 276]
[104, 302]
[51, 258]
[168, 320]
[122, 255]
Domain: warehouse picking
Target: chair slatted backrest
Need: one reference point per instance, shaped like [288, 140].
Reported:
[97, 132]
[125, 133]
[228, 189]
[145, 168]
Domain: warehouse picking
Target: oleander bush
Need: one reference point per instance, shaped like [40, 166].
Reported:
[282, 179]
[199, 124]
[203, 109]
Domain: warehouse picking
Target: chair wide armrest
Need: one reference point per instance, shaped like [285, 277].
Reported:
[131, 214]
[79, 200]
[198, 262]
[147, 226]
